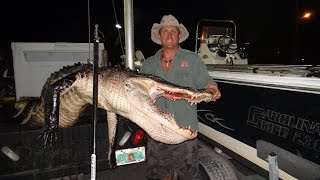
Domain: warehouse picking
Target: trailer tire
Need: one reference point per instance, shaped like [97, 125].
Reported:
[215, 165]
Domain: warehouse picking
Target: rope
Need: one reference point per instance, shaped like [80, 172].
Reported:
[115, 15]
[89, 41]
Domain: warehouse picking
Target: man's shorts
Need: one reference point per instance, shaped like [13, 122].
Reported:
[172, 160]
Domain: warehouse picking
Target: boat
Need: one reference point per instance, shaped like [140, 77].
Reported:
[264, 108]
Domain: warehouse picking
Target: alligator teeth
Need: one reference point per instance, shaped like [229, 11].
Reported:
[194, 132]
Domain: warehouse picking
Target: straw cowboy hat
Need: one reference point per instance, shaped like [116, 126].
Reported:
[168, 20]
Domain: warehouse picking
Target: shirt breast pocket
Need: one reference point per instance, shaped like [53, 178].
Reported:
[184, 77]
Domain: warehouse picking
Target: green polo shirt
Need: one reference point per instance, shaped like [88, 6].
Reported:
[187, 69]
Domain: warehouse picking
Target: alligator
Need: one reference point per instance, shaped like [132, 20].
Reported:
[120, 91]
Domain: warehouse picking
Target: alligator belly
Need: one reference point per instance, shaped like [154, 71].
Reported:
[71, 106]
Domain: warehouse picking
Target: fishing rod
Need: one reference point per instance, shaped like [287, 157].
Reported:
[95, 99]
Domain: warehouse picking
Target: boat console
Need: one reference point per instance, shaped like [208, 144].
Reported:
[217, 45]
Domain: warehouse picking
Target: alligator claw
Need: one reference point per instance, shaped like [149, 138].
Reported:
[49, 136]
[112, 165]
[112, 161]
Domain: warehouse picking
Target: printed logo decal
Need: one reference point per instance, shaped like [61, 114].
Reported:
[296, 129]
[184, 64]
[210, 117]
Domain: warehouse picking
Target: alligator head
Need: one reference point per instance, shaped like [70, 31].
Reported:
[138, 95]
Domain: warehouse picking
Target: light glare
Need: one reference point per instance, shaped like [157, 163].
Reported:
[118, 26]
[306, 15]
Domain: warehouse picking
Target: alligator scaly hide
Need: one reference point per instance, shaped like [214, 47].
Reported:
[132, 95]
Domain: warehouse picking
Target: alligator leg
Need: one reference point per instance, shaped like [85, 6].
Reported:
[51, 110]
[112, 125]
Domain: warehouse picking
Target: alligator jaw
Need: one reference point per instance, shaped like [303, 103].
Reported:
[175, 92]
[150, 89]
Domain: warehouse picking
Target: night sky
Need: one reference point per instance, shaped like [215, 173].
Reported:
[270, 27]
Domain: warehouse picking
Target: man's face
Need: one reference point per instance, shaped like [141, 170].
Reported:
[169, 36]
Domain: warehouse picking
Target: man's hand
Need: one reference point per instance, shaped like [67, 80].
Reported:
[214, 88]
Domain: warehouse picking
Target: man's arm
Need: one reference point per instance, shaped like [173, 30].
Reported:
[204, 79]
[214, 88]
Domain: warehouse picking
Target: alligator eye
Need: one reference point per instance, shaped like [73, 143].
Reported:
[128, 85]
